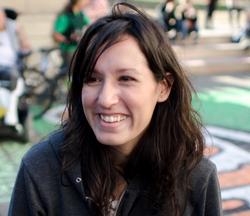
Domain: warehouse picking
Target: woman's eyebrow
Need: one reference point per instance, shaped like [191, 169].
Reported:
[120, 71]
[124, 70]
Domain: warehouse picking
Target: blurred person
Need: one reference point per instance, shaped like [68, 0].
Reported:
[13, 42]
[96, 9]
[68, 28]
[210, 8]
[189, 19]
[245, 40]
[13, 39]
[169, 19]
[132, 143]
[235, 9]
[243, 37]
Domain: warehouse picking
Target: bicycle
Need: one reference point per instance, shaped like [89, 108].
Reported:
[45, 82]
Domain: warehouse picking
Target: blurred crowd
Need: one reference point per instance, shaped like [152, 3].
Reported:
[180, 18]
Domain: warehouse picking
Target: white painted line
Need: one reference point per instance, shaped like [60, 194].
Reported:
[232, 60]
[231, 156]
[233, 80]
[229, 133]
[237, 193]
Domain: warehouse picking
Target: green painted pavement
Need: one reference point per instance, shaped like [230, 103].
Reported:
[227, 107]
[43, 128]
[40, 125]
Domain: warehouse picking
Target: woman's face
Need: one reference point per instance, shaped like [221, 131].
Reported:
[120, 97]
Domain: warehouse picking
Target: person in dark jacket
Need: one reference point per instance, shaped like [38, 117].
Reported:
[132, 144]
[211, 6]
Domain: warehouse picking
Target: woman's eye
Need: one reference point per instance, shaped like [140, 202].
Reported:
[92, 80]
[126, 78]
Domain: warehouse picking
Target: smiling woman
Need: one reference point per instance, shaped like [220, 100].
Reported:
[132, 144]
[116, 114]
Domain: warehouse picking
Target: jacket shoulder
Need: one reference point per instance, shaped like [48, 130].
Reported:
[45, 152]
[204, 171]
[205, 190]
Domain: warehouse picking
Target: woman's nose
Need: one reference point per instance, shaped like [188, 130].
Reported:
[108, 95]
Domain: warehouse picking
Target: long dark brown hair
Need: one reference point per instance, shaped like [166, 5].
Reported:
[173, 143]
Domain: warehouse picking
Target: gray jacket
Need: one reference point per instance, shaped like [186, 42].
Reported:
[41, 190]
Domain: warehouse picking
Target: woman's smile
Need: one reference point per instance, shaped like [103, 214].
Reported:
[112, 118]
[111, 123]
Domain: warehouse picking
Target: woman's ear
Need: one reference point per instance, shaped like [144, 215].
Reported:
[165, 87]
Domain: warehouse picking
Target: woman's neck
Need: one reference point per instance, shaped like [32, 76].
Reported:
[120, 188]
[119, 160]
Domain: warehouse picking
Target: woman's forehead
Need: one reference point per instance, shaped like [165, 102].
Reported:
[124, 50]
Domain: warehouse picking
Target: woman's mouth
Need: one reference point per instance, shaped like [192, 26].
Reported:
[112, 118]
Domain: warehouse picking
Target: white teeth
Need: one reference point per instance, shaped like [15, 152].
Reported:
[112, 118]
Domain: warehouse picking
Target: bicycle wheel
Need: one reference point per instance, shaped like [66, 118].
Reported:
[43, 100]
[39, 92]
[34, 80]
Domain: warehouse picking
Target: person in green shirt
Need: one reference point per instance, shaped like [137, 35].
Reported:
[68, 28]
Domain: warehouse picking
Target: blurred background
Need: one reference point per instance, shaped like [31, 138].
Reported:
[211, 40]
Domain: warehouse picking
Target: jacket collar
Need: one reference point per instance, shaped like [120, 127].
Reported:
[72, 176]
